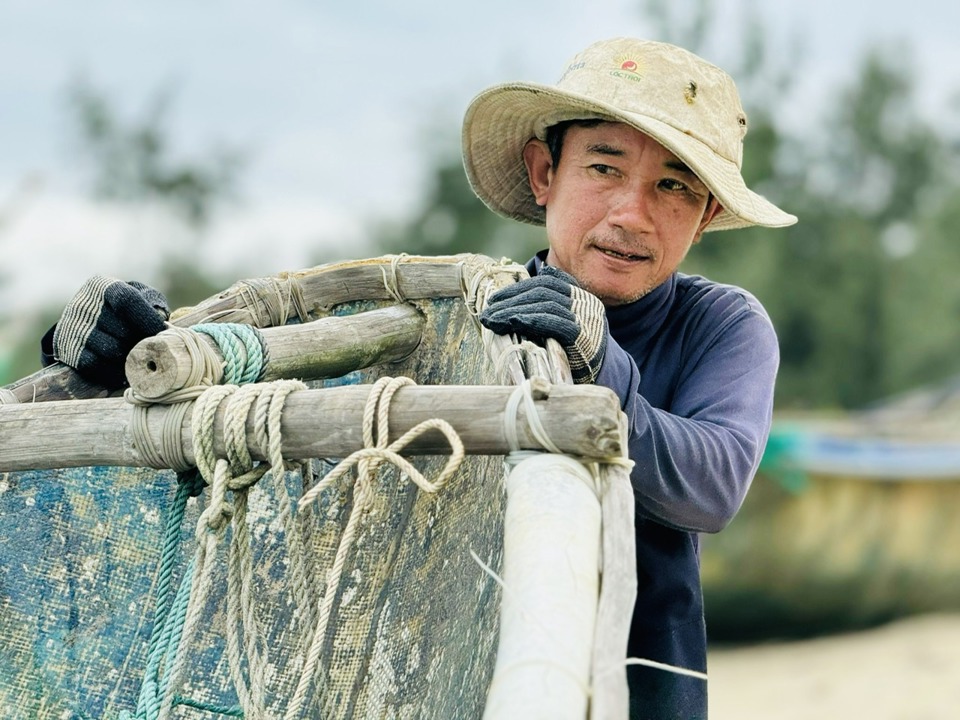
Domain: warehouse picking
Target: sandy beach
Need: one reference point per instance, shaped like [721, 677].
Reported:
[907, 670]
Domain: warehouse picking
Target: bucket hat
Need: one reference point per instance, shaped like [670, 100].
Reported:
[686, 104]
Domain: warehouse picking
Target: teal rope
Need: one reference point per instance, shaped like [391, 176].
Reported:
[228, 710]
[230, 338]
[170, 613]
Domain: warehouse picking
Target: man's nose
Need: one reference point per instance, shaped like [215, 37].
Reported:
[630, 210]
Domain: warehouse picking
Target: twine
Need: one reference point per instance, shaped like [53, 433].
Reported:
[179, 615]
[484, 280]
[245, 359]
[272, 301]
[392, 282]
[367, 460]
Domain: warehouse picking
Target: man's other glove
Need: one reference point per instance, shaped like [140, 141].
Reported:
[100, 326]
[552, 305]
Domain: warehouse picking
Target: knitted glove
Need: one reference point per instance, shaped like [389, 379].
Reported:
[101, 324]
[552, 305]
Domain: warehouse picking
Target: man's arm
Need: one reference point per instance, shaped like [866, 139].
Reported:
[695, 459]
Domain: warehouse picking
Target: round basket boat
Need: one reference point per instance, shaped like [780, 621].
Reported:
[129, 590]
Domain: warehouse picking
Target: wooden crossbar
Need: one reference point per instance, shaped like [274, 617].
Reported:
[582, 420]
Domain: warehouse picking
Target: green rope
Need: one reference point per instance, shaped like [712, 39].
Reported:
[245, 359]
[228, 710]
[237, 341]
[170, 613]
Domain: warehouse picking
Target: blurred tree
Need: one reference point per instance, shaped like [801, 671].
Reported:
[863, 290]
[868, 182]
[871, 185]
[134, 162]
[451, 219]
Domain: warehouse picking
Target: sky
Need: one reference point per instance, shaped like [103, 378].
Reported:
[338, 106]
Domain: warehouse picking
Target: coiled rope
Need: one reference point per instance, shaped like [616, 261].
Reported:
[179, 613]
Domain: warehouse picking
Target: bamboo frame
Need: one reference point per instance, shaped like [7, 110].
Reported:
[318, 289]
[581, 420]
[325, 348]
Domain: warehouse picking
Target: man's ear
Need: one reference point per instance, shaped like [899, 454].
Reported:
[709, 213]
[536, 156]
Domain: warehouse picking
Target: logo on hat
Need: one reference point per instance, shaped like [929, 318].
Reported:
[627, 67]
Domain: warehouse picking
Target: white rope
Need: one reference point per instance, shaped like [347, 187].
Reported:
[238, 474]
[170, 454]
[675, 669]
[392, 283]
[523, 394]
[484, 280]
[205, 369]
[376, 451]
[271, 301]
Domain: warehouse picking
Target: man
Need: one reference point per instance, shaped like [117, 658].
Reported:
[627, 161]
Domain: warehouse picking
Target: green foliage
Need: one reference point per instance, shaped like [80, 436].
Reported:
[863, 291]
[187, 283]
[452, 220]
[23, 357]
[860, 290]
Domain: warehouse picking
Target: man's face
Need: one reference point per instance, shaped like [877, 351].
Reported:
[622, 210]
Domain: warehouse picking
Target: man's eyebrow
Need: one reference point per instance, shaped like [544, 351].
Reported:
[679, 167]
[605, 149]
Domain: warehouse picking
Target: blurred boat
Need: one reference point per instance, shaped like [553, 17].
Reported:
[851, 521]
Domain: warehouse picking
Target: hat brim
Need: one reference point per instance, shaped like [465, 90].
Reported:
[502, 119]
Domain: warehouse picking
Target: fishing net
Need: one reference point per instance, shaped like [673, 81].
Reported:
[412, 627]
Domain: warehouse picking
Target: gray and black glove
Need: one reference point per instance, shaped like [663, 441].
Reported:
[553, 305]
[100, 326]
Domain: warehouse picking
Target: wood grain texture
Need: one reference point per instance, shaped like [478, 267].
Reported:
[581, 420]
[315, 290]
[324, 348]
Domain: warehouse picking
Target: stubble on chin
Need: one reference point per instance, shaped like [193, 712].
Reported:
[612, 295]
[614, 300]
[625, 292]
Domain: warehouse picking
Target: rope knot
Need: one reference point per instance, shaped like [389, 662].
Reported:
[192, 481]
[375, 453]
[215, 519]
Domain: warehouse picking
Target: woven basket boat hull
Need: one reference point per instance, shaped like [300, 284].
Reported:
[78, 568]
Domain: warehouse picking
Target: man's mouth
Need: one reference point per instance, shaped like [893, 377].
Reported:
[622, 256]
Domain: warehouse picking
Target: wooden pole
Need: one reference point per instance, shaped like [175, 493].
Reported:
[324, 348]
[312, 291]
[583, 420]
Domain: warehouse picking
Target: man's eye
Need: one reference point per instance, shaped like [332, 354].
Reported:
[603, 169]
[671, 184]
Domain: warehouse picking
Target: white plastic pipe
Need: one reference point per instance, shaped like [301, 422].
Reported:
[551, 589]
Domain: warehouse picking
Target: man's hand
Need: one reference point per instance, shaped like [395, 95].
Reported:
[100, 326]
[552, 305]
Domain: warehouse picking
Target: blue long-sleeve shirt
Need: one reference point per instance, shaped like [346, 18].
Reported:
[694, 364]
